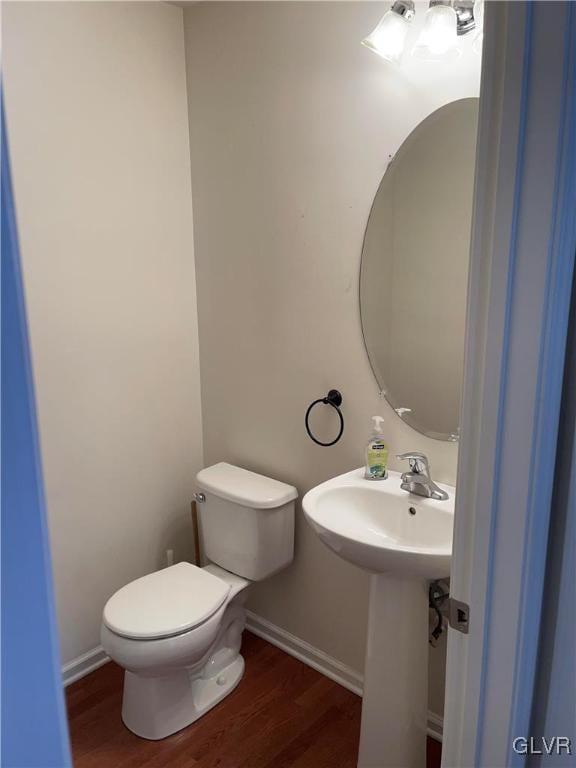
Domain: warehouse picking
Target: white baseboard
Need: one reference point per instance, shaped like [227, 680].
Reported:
[435, 726]
[305, 652]
[300, 649]
[321, 662]
[83, 665]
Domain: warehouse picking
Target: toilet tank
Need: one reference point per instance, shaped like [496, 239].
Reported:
[246, 521]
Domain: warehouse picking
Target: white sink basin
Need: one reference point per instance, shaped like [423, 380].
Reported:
[377, 526]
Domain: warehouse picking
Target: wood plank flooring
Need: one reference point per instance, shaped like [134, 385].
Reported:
[282, 715]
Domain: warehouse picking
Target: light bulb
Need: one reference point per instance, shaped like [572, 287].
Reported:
[389, 37]
[438, 38]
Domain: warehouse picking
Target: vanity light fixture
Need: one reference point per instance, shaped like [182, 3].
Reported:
[445, 22]
[388, 39]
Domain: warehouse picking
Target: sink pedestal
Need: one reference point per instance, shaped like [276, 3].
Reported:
[395, 703]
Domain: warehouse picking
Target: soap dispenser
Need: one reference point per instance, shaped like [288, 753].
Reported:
[376, 453]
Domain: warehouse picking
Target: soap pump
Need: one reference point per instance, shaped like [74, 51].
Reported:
[376, 453]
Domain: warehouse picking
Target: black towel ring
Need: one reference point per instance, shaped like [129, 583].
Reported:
[333, 398]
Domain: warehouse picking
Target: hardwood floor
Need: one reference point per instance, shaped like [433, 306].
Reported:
[283, 714]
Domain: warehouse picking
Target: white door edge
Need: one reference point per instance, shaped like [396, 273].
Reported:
[522, 261]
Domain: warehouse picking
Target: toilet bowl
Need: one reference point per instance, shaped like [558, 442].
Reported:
[172, 675]
[177, 632]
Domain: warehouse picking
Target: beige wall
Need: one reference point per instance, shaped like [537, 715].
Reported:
[97, 119]
[292, 124]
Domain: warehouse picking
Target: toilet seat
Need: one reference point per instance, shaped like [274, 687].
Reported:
[165, 603]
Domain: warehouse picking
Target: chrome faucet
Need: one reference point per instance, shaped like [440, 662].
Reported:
[418, 480]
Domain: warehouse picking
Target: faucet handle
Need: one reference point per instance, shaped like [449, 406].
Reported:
[419, 463]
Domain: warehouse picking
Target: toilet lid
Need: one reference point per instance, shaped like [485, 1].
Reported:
[164, 603]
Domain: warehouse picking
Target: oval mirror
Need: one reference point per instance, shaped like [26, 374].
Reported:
[414, 270]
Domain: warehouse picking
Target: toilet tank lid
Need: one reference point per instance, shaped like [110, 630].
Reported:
[244, 487]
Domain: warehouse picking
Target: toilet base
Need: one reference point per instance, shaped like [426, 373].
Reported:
[156, 707]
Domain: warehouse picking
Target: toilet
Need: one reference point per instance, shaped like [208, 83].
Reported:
[177, 632]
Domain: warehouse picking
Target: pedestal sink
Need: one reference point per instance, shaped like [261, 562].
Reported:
[405, 541]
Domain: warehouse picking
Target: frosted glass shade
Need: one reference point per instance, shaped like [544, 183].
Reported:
[438, 39]
[389, 37]
[479, 15]
[479, 21]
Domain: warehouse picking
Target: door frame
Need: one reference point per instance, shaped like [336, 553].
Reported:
[33, 723]
[521, 274]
